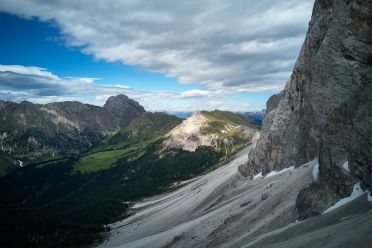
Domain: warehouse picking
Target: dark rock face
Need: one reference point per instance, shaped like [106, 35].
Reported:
[312, 200]
[124, 108]
[33, 130]
[325, 110]
[273, 102]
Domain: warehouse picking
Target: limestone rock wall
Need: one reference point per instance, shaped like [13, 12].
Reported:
[325, 110]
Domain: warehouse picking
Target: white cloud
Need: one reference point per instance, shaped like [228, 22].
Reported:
[195, 93]
[36, 82]
[30, 70]
[20, 83]
[85, 79]
[241, 45]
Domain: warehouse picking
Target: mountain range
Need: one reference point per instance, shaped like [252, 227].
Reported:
[29, 128]
[255, 117]
[78, 175]
[306, 182]
[70, 168]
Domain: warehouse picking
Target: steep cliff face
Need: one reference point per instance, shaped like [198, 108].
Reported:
[30, 130]
[325, 110]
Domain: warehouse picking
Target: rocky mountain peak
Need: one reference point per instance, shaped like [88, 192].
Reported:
[121, 103]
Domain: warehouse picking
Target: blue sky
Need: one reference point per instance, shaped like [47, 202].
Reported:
[176, 58]
[31, 43]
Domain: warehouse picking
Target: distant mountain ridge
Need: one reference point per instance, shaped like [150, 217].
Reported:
[35, 130]
[255, 117]
[180, 114]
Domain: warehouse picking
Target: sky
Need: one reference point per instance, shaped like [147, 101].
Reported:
[168, 55]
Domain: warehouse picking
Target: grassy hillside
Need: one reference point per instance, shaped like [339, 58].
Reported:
[130, 142]
[146, 126]
[219, 117]
[226, 124]
[155, 123]
[106, 155]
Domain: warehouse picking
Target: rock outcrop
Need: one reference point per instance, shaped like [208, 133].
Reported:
[187, 135]
[325, 110]
[217, 129]
[125, 109]
[30, 130]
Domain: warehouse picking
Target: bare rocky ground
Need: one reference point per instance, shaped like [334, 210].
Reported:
[347, 226]
[222, 209]
[192, 133]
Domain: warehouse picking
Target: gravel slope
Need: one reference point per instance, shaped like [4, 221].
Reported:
[219, 209]
[347, 226]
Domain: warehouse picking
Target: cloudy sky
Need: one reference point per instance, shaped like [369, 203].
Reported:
[168, 55]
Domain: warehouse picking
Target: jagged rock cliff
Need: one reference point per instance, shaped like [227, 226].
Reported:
[33, 130]
[325, 110]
